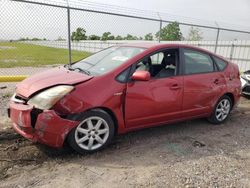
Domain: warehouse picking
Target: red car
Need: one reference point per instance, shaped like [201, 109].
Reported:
[121, 89]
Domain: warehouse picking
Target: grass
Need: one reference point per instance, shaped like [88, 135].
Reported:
[15, 54]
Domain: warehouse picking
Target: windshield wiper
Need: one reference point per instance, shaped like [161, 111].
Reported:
[77, 68]
[87, 63]
[82, 70]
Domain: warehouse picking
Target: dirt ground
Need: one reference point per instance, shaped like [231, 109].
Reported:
[188, 154]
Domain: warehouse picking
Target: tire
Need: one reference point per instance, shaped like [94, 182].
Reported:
[221, 110]
[94, 133]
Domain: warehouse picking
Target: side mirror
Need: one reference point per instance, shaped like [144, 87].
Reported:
[141, 75]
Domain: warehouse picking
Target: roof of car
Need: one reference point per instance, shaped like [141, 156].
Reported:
[162, 45]
[142, 44]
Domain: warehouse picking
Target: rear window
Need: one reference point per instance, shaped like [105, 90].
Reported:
[221, 64]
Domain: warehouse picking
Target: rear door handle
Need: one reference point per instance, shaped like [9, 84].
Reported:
[175, 87]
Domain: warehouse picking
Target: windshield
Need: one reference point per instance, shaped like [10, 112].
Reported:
[106, 60]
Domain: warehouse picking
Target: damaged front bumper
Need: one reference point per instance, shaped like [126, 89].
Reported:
[45, 126]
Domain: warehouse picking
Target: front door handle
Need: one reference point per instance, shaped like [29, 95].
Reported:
[175, 87]
[118, 94]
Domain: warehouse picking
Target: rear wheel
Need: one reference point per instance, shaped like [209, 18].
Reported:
[221, 110]
[95, 132]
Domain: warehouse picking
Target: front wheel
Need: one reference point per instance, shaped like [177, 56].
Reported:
[95, 132]
[221, 110]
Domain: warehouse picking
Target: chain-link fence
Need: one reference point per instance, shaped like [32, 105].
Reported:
[36, 34]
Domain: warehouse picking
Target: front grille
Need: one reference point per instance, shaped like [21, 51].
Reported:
[33, 115]
[34, 112]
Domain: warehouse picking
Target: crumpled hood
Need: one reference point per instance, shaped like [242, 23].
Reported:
[45, 79]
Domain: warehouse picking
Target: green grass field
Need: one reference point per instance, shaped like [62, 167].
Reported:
[15, 54]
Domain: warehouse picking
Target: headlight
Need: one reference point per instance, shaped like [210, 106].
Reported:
[46, 99]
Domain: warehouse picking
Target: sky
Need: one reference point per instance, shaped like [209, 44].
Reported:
[235, 12]
[26, 20]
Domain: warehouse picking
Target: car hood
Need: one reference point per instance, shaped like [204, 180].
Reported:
[46, 79]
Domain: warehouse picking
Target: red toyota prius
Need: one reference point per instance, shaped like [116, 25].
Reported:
[120, 89]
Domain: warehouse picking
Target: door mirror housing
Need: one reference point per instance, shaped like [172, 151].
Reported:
[141, 75]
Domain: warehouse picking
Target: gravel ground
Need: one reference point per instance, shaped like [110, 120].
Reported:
[188, 154]
[6, 91]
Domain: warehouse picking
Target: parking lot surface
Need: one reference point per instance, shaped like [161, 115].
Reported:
[187, 154]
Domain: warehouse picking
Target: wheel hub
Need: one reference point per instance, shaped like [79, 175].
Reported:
[92, 133]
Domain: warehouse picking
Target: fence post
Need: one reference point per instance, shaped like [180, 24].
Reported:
[69, 33]
[232, 51]
[217, 39]
[159, 38]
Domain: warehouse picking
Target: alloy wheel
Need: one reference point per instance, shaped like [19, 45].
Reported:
[222, 109]
[92, 133]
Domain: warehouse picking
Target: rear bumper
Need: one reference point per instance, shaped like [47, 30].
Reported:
[44, 127]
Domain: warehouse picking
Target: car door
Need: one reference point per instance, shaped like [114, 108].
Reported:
[155, 101]
[202, 83]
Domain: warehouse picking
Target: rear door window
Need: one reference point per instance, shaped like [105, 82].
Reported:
[197, 62]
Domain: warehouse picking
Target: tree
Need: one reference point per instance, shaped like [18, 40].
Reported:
[94, 37]
[35, 39]
[111, 37]
[79, 34]
[148, 36]
[170, 32]
[194, 34]
[118, 37]
[130, 37]
[105, 35]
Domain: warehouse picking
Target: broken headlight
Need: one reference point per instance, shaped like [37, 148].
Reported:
[47, 98]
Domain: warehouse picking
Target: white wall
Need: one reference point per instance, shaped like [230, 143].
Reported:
[238, 51]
